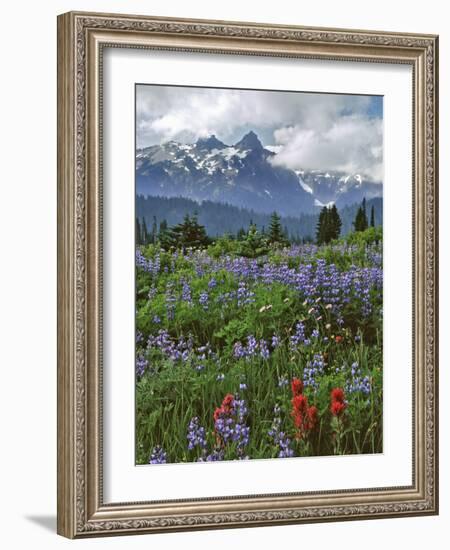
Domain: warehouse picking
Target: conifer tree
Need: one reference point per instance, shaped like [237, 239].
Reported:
[322, 226]
[145, 238]
[165, 236]
[163, 226]
[189, 233]
[372, 216]
[334, 224]
[254, 244]
[361, 223]
[329, 225]
[240, 234]
[138, 232]
[276, 233]
[154, 230]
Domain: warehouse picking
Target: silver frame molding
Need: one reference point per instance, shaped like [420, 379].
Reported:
[81, 39]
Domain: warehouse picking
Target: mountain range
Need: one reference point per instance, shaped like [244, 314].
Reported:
[244, 175]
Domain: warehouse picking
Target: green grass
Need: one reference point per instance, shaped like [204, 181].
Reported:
[173, 391]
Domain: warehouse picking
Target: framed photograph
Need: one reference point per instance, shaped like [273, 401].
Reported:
[247, 282]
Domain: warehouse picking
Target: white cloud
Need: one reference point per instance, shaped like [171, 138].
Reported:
[308, 130]
[350, 144]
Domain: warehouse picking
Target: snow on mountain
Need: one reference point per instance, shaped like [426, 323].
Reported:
[242, 174]
[306, 187]
[321, 205]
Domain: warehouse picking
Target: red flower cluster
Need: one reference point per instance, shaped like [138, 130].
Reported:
[296, 386]
[226, 407]
[305, 416]
[337, 402]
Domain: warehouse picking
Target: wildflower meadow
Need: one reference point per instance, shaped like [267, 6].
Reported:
[258, 348]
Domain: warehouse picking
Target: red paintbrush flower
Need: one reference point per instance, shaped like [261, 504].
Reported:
[337, 408]
[296, 386]
[218, 412]
[337, 394]
[300, 403]
[313, 417]
[227, 403]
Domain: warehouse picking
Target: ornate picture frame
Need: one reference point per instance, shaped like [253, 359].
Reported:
[82, 38]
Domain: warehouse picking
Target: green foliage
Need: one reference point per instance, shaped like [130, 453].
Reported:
[223, 246]
[372, 216]
[276, 233]
[173, 391]
[255, 244]
[361, 223]
[187, 234]
[144, 233]
[138, 233]
[329, 225]
[372, 235]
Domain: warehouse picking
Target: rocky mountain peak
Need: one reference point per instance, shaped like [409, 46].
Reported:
[249, 141]
[209, 143]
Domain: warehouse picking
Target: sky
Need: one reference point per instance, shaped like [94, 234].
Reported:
[310, 131]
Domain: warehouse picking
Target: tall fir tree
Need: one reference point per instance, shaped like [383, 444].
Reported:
[372, 216]
[138, 232]
[254, 244]
[361, 223]
[154, 230]
[165, 236]
[329, 225]
[334, 223]
[240, 235]
[163, 226]
[145, 237]
[276, 233]
[322, 226]
[188, 233]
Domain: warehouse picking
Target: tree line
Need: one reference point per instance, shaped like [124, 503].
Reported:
[329, 224]
[191, 233]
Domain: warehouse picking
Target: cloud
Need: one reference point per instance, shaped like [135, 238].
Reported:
[352, 144]
[308, 130]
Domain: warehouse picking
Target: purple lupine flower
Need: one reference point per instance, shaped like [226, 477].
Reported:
[252, 346]
[263, 349]
[358, 382]
[313, 370]
[158, 456]
[152, 292]
[239, 350]
[186, 292]
[215, 456]
[244, 295]
[203, 300]
[230, 424]
[279, 437]
[141, 365]
[212, 283]
[170, 302]
[298, 337]
[196, 435]
[276, 341]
